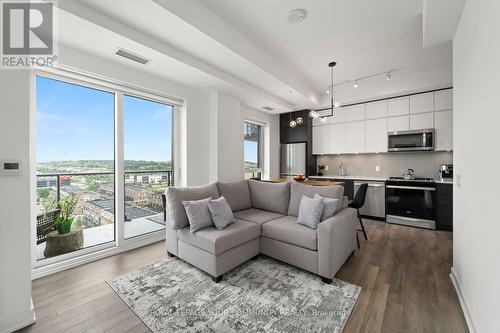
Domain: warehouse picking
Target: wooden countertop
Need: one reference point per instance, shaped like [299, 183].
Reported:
[313, 182]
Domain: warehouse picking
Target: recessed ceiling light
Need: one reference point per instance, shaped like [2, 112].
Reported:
[268, 108]
[296, 16]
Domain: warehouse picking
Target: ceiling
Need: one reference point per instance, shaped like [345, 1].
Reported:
[248, 49]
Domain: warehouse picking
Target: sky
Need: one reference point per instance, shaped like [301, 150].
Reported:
[77, 123]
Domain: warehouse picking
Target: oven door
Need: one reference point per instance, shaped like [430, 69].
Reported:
[411, 140]
[415, 202]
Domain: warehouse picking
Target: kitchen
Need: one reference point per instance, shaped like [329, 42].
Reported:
[401, 146]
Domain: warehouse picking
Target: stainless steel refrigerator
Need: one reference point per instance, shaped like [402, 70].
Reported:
[293, 159]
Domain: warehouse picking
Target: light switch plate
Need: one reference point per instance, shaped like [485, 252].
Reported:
[459, 181]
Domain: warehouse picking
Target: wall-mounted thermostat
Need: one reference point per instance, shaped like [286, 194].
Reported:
[10, 167]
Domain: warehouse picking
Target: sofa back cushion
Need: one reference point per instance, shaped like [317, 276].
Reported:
[298, 190]
[175, 196]
[237, 195]
[272, 197]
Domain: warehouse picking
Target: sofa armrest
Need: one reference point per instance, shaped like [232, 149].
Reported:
[336, 241]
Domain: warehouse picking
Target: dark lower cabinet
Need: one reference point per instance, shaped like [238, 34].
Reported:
[444, 207]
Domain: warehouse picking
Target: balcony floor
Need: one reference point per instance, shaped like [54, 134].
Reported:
[106, 233]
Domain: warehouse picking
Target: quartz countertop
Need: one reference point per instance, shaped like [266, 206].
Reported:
[373, 178]
[380, 179]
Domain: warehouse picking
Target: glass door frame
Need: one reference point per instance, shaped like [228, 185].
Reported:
[48, 266]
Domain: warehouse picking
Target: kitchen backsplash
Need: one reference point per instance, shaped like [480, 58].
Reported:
[425, 164]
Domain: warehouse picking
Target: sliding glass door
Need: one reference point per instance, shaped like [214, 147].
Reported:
[148, 163]
[92, 139]
[75, 163]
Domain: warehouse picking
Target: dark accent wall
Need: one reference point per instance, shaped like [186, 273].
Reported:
[301, 133]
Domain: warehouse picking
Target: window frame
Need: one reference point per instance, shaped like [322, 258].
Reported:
[48, 266]
[260, 145]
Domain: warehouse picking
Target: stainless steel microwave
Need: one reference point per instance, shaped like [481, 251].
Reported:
[417, 140]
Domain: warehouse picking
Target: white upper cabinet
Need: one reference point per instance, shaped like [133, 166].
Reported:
[320, 140]
[376, 135]
[376, 110]
[337, 138]
[444, 130]
[422, 121]
[355, 137]
[443, 100]
[396, 124]
[355, 112]
[422, 103]
[398, 106]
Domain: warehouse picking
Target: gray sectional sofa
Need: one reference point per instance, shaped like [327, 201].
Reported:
[266, 222]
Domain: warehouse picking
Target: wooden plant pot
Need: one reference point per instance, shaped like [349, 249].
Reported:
[59, 244]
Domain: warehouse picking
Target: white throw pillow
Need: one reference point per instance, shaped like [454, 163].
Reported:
[310, 211]
[198, 214]
[221, 212]
[330, 207]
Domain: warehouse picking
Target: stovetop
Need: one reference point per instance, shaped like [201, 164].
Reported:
[416, 179]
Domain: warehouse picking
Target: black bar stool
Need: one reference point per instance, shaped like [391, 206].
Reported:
[357, 203]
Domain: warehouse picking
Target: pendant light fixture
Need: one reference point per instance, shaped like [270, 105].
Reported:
[331, 91]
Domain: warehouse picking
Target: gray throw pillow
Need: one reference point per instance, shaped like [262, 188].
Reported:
[221, 212]
[310, 211]
[198, 214]
[330, 207]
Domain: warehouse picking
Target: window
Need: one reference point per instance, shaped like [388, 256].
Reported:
[82, 128]
[75, 160]
[148, 163]
[252, 139]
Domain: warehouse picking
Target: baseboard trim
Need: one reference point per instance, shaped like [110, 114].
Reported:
[18, 321]
[461, 299]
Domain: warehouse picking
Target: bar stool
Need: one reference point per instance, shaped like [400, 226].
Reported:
[357, 203]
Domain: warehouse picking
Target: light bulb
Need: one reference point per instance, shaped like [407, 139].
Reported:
[388, 76]
[314, 114]
[323, 120]
[293, 124]
[299, 121]
[356, 84]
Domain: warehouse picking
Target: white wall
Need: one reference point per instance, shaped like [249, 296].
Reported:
[227, 116]
[15, 227]
[476, 249]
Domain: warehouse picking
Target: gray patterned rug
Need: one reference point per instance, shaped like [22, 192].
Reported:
[259, 296]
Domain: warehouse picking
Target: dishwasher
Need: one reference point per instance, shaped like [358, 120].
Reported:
[375, 199]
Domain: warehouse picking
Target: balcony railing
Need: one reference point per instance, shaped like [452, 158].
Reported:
[96, 191]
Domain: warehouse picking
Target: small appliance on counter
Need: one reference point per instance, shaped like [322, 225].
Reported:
[446, 172]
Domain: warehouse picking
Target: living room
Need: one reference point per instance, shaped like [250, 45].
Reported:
[239, 166]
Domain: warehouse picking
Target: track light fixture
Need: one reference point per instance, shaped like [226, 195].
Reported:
[355, 85]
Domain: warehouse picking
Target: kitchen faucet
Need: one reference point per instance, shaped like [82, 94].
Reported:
[342, 169]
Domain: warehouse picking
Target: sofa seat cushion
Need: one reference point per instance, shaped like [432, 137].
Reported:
[286, 229]
[258, 216]
[218, 241]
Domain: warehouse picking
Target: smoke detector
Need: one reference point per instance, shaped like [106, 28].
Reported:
[296, 16]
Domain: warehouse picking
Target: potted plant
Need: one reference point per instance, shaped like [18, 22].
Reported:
[63, 238]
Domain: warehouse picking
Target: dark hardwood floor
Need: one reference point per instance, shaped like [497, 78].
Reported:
[404, 273]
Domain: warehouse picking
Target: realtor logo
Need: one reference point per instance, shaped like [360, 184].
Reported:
[27, 34]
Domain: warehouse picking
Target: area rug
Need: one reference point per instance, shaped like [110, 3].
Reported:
[263, 295]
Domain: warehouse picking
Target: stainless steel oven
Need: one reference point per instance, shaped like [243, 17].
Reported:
[416, 140]
[411, 203]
